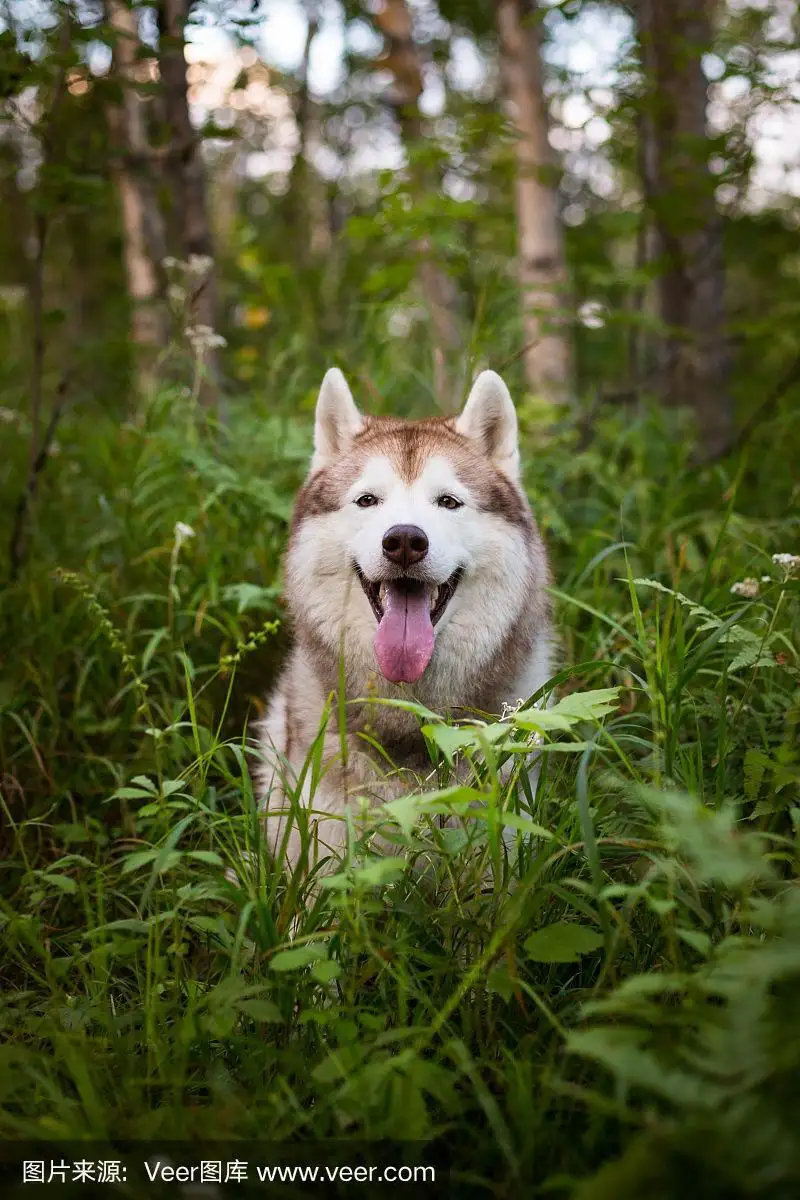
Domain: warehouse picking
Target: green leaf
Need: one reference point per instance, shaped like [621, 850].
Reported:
[512, 820]
[206, 856]
[378, 871]
[756, 763]
[64, 882]
[155, 640]
[699, 941]
[587, 706]
[623, 1051]
[260, 1010]
[578, 706]
[150, 810]
[407, 810]
[325, 971]
[562, 942]
[169, 786]
[410, 706]
[143, 781]
[375, 872]
[162, 861]
[205, 924]
[499, 981]
[451, 738]
[251, 595]
[130, 925]
[300, 956]
[139, 859]
[710, 840]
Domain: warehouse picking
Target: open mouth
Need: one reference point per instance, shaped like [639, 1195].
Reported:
[439, 595]
[406, 611]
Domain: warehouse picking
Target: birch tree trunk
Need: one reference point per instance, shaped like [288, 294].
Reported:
[186, 169]
[542, 269]
[679, 192]
[141, 219]
[402, 58]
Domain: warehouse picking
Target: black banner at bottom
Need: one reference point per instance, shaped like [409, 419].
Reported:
[229, 1170]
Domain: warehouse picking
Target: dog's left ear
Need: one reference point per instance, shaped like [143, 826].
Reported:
[337, 420]
[490, 419]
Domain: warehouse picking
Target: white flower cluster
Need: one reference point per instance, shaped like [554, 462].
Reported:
[402, 320]
[12, 297]
[185, 277]
[789, 564]
[182, 532]
[197, 265]
[748, 588]
[203, 337]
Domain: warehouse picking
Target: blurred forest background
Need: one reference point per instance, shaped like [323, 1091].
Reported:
[203, 206]
[601, 199]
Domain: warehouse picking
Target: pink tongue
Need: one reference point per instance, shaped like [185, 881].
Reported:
[404, 641]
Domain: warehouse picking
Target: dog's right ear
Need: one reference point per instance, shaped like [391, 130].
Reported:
[337, 420]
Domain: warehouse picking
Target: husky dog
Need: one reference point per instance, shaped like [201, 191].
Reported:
[414, 571]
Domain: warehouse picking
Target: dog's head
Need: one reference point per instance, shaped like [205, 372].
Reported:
[414, 536]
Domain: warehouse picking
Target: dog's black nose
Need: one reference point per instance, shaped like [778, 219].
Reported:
[405, 545]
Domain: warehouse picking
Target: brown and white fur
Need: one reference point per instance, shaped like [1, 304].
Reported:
[492, 641]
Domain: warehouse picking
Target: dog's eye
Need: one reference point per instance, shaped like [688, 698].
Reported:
[449, 502]
[367, 500]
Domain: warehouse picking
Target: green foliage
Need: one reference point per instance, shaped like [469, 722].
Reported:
[607, 985]
[561, 943]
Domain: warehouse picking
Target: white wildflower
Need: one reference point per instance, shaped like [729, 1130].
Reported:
[12, 297]
[200, 265]
[766, 579]
[203, 337]
[8, 416]
[183, 532]
[789, 563]
[169, 263]
[748, 588]
[511, 710]
[592, 314]
[401, 321]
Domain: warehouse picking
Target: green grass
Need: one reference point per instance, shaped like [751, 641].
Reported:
[609, 1007]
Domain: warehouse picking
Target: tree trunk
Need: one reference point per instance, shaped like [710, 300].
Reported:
[141, 219]
[402, 58]
[541, 263]
[186, 167]
[679, 192]
[297, 202]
